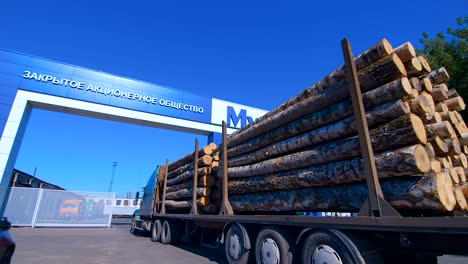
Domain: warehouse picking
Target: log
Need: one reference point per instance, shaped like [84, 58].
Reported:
[440, 147]
[215, 166]
[189, 167]
[203, 181]
[452, 93]
[453, 146]
[413, 67]
[455, 104]
[449, 116]
[207, 150]
[452, 174]
[443, 129]
[426, 68]
[430, 150]
[460, 198]
[186, 205]
[444, 162]
[387, 111]
[463, 139]
[406, 52]
[183, 177]
[438, 76]
[374, 54]
[327, 174]
[423, 106]
[403, 131]
[381, 72]
[460, 160]
[412, 193]
[415, 83]
[436, 166]
[412, 160]
[215, 156]
[426, 84]
[441, 107]
[465, 149]
[186, 193]
[461, 173]
[459, 117]
[464, 187]
[436, 118]
[439, 93]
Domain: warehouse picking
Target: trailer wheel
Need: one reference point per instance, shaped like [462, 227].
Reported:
[325, 247]
[156, 231]
[273, 246]
[169, 232]
[235, 245]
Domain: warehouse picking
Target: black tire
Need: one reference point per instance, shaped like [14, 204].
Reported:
[273, 246]
[7, 255]
[325, 245]
[156, 231]
[235, 245]
[133, 230]
[169, 233]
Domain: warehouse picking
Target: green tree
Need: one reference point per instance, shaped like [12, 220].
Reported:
[450, 50]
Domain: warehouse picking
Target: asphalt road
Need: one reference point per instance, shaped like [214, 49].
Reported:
[114, 245]
[102, 246]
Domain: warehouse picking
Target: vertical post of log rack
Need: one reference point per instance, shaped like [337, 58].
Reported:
[163, 209]
[226, 208]
[195, 180]
[157, 203]
[375, 205]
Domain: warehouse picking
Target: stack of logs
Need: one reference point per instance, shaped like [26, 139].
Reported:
[180, 176]
[305, 155]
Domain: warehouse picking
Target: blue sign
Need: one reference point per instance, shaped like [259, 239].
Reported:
[43, 76]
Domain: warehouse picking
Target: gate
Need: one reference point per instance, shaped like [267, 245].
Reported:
[59, 208]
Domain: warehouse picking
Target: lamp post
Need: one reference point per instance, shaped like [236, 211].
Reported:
[114, 164]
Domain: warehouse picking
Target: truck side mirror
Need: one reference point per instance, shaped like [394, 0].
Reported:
[137, 196]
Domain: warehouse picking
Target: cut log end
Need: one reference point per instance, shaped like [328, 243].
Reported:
[425, 65]
[405, 52]
[444, 190]
[423, 161]
[460, 198]
[419, 129]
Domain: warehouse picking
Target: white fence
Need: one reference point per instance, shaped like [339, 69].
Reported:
[44, 207]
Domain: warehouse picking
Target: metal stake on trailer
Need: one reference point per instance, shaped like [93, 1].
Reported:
[163, 209]
[375, 205]
[226, 208]
[195, 180]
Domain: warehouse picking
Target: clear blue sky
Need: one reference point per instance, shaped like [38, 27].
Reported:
[257, 53]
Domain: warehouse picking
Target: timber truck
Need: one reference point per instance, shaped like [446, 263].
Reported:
[379, 231]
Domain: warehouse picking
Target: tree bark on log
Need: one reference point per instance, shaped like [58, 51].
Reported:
[381, 72]
[461, 173]
[405, 52]
[463, 139]
[443, 129]
[452, 93]
[403, 131]
[441, 107]
[413, 193]
[207, 150]
[416, 84]
[379, 97]
[184, 169]
[460, 197]
[426, 84]
[430, 150]
[439, 93]
[438, 76]
[440, 147]
[426, 68]
[413, 67]
[453, 146]
[460, 160]
[186, 193]
[204, 181]
[412, 160]
[380, 50]
[455, 104]
[187, 205]
[185, 176]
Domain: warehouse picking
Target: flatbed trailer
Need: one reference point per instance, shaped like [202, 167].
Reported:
[378, 234]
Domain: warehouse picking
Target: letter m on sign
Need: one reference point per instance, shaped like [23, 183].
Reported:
[235, 118]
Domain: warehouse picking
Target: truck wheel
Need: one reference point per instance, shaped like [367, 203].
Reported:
[132, 226]
[169, 232]
[156, 231]
[325, 247]
[235, 245]
[273, 246]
